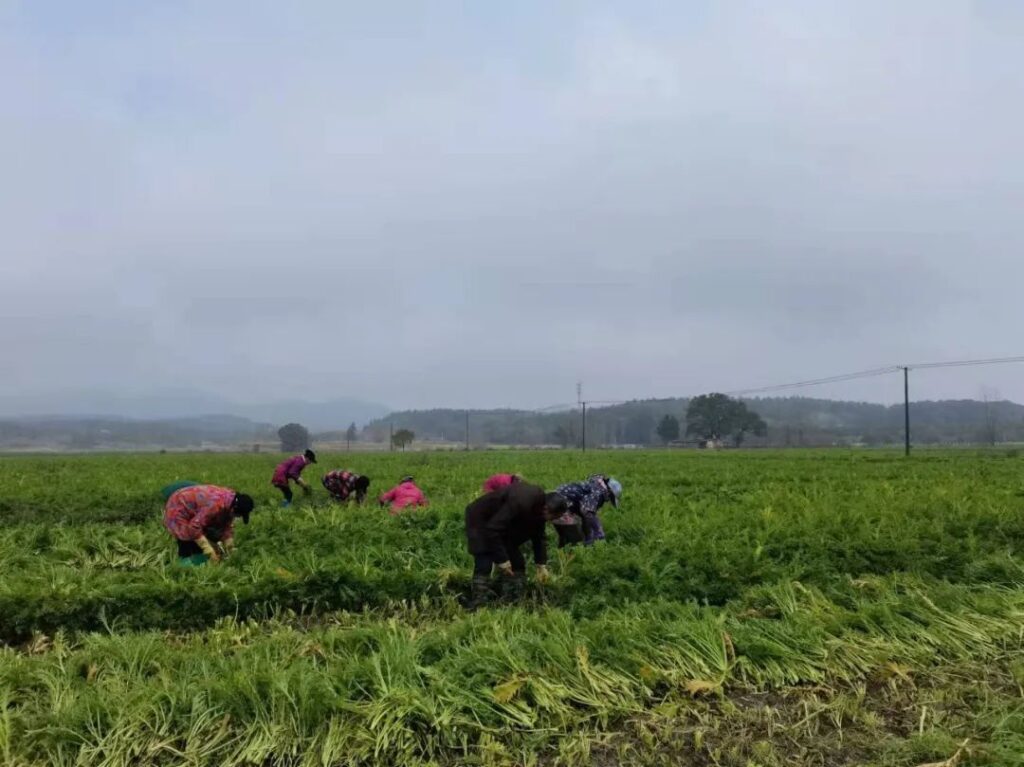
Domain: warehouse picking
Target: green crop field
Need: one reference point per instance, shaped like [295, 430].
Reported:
[748, 608]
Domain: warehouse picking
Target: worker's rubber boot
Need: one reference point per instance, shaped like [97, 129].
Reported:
[481, 594]
[513, 587]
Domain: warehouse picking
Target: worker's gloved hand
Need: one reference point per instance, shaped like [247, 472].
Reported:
[505, 568]
[543, 576]
[208, 549]
[229, 545]
[307, 489]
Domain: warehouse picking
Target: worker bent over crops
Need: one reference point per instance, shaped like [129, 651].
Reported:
[344, 485]
[201, 518]
[291, 470]
[497, 524]
[402, 496]
[582, 523]
[498, 481]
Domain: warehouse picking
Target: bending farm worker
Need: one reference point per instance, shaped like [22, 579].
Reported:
[291, 471]
[174, 487]
[497, 524]
[498, 481]
[403, 495]
[585, 499]
[342, 485]
[201, 518]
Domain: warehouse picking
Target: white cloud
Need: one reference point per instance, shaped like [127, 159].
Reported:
[656, 201]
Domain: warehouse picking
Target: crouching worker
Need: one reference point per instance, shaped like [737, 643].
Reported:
[344, 485]
[174, 487]
[497, 524]
[201, 518]
[402, 496]
[498, 481]
[291, 470]
[585, 499]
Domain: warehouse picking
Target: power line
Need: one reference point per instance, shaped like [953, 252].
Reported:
[562, 408]
[570, 408]
[965, 363]
[874, 372]
[817, 381]
[567, 409]
[871, 373]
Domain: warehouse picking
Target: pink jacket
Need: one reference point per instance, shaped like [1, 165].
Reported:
[403, 496]
[191, 511]
[498, 481]
[290, 469]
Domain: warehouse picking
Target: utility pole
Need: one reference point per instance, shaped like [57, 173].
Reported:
[467, 431]
[391, 440]
[582, 404]
[584, 426]
[906, 411]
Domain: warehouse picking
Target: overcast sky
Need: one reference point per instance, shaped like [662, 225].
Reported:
[477, 204]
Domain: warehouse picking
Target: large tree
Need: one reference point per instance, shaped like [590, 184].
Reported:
[668, 429]
[716, 416]
[351, 435]
[294, 437]
[402, 438]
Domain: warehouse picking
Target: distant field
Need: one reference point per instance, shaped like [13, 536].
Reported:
[749, 608]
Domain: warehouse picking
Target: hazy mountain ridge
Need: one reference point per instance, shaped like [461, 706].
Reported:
[55, 432]
[791, 421]
[177, 404]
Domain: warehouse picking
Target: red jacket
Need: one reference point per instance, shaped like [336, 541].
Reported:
[403, 496]
[498, 481]
[192, 511]
[290, 469]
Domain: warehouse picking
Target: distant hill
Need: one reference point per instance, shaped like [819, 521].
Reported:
[803, 420]
[629, 423]
[99, 403]
[792, 421]
[332, 415]
[164, 404]
[62, 432]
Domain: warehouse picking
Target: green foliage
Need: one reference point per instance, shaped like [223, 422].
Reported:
[668, 429]
[402, 438]
[564, 434]
[847, 592]
[715, 416]
[793, 421]
[294, 438]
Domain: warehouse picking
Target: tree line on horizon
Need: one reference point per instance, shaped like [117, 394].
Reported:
[788, 422]
[765, 422]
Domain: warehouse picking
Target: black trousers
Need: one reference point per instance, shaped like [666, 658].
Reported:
[570, 534]
[574, 533]
[286, 491]
[484, 563]
[191, 548]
